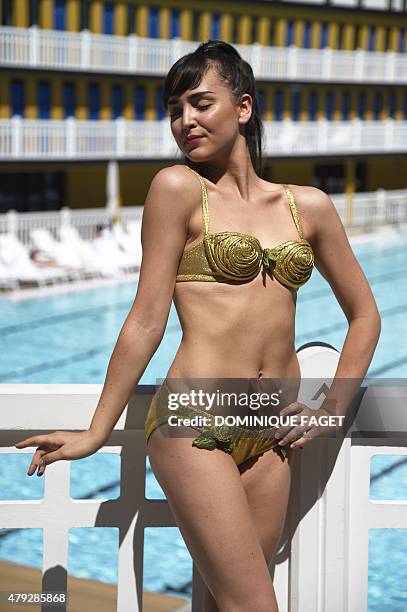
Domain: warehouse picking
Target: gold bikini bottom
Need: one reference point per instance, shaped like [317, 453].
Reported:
[241, 443]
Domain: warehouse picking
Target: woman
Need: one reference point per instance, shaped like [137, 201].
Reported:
[204, 225]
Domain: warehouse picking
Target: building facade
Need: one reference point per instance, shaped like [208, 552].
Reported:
[332, 76]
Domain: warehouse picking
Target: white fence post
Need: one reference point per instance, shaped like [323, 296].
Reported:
[16, 136]
[132, 43]
[292, 63]
[33, 45]
[85, 49]
[70, 132]
[12, 222]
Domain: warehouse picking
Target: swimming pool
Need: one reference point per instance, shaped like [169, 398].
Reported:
[69, 339]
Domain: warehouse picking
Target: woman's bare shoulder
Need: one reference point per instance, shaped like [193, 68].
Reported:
[175, 185]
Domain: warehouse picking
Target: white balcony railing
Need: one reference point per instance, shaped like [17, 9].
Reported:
[84, 51]
[357, 210]
[72, 140]
[323, 559]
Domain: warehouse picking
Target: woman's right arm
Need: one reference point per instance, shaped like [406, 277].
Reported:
[164, 233]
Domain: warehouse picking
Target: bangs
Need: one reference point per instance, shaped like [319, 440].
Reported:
[185, 74]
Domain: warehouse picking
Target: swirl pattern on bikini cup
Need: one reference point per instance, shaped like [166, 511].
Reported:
[293, 263]
[233, 255]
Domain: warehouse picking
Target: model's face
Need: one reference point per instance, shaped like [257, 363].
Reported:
[209, 113]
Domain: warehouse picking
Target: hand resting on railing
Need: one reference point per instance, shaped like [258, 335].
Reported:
[60, 445]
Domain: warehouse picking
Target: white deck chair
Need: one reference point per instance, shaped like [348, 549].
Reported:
[106, 247]
[128, 243]
[64, 256]
[72, 241]
[14, 256]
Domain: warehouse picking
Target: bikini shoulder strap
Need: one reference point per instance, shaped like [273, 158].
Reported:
[294, 211]
[205, 211]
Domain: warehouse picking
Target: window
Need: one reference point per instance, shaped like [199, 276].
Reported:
[255, 30]
[372, 39]
[215, 26]
[312, 105]
[59, 14]
[345, 105]
[362, 105]
[34, 13]
[324, 35]
[392, 103]
[116, 101]
[196, 17]
[44, 99]
[85, 14]
[153, 22]
[330, 105]
[356, 36]
[174, 24]
[108, 18]
[93, 101]
[307, 35]
[69, 99]
[295, 105]
[272, 33]
[32, 191]
[131, 20]
[235, 29]
[405, 106]
[159, 108]
[377, 104]
[289, 35]
[261, 99]
[17, 98]
[139, 101]
[401, 41]
[329, 177]
[6, 12]
[387, 43]
[340, 35]
[278, 104]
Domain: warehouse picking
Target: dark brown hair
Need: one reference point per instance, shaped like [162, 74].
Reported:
[187, 73]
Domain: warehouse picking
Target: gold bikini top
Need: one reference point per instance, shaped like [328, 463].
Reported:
[239, 257]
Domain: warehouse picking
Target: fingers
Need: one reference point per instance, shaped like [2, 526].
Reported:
[33, 441]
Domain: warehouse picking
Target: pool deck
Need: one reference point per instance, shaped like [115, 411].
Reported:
[83, 594]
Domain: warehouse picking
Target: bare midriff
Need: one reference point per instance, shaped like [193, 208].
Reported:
[236, 331]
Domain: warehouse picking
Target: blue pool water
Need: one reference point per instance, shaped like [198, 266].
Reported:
[69, 339]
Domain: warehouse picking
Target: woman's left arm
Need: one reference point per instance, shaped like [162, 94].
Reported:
[337, 263]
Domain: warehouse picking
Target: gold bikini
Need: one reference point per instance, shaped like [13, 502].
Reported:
[234, 256]
[238, 257]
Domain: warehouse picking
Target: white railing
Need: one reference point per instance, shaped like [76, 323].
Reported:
[324, 560]
[85, 220]
[84, 51]
[376, 5]
[369, 209]
[71, 139]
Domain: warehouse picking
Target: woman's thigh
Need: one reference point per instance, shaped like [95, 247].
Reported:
[206, 495]
[266, 480]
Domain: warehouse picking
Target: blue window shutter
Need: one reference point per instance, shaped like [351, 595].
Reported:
[17, 98]
[400, 42]
[139, 102]
[153, 22]
[117, 101]
[215, 26]
[312, 105]
[261, 98]
[278, 104]
[405, 106]
[69, 99]
[108, 18]
[59, 14]
[296, 104]
[372, 38]
[44, 99]
[377, 104]
[330, 105]
[93, 101]
[324, 35]
[392, 104]
[345, 105]
[175, 25]
[307, 35]
[160, 112]
[289, 37]
[362, 103]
